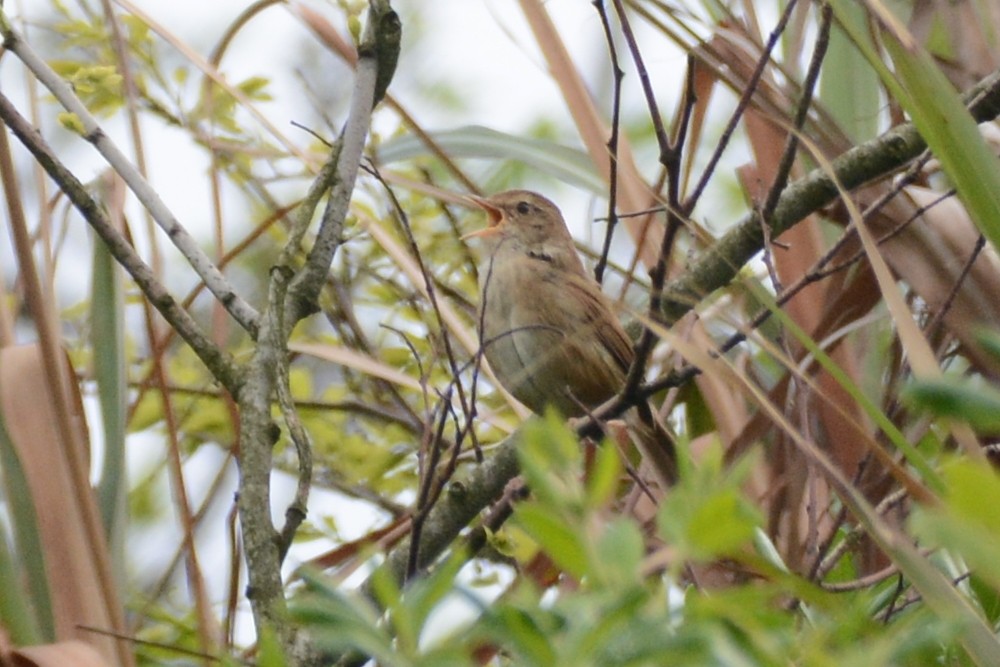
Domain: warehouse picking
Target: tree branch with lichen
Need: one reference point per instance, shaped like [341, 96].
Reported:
[873, 160]
[293, 297]
[718, 265]
[218, 362]
[92, 132]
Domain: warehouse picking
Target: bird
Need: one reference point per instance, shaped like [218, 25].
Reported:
[547, 330]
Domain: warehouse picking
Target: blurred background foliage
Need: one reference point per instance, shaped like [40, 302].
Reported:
[837, 498]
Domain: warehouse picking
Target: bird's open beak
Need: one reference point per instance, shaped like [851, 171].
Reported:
[494, 215]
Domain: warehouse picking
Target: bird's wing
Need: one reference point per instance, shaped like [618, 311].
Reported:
[600, 317]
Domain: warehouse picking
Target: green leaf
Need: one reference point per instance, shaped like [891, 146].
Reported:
[423, 595]
[618, 554]
[958, 398]
[521, 632]
[706, 516]
[71, 122]
[339, 623]
[551, 461]
[848, 84]
[563, 543]
[974, 493]
[24, 576]
[990, 340]
[604, 476]
[938, 113]
[561, 162]
[269, 653]
[952, 134]
[108, 342]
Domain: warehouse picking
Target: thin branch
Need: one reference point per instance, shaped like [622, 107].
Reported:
[801, 113]
[221, 365]
[647, 88]
[862, 164]
[748, 92]
[618, 74]
[296, 511]
[432, 296]
[241, 311]
[454, 511]
[261, 541]
[304, 289]
[670, 157]
[428, 492]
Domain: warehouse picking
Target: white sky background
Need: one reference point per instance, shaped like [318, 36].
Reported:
[480, 50]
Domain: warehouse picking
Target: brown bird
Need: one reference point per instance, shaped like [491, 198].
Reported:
[549, 333]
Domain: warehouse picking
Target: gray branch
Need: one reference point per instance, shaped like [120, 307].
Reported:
[263, 544]
[217, 283]
[863, 164]
[220, 364]
[860, 165]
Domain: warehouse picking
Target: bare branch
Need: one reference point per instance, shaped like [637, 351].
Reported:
[217, 283]
[862, 164]
[221, 365]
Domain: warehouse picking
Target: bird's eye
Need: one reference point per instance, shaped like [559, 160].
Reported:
[523, 207]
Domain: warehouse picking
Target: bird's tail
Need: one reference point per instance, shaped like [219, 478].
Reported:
[654, 442]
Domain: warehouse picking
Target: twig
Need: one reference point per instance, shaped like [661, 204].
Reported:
[748, 92]
[670, 156]
[261, 541]
[801, 113]
[953, 292]
[296, 511]
[454, 511]
[618, 74]
[428, 492]
[647, 88]
[221, 365]
[449, 352]
[217, 283]
[862, 164]
[305, 286]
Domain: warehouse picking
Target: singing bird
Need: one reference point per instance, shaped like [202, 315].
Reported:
[548, 331]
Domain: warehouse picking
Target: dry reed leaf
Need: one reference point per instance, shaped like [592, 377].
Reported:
[971, 29]
[727, 408]
[734, 55]
[634, 193]
[71, 560]
[704, 80]
[930, 255]
[63, 654]
[345, 356]
[919, 353]
[839, 415]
